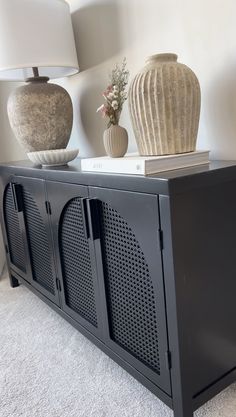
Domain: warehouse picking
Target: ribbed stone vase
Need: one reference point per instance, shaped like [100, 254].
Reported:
[115, 140]
[164, 104]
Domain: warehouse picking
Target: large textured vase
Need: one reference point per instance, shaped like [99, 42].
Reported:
[164, 104]
[41, 115]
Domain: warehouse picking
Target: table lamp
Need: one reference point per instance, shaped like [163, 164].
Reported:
[37, 44]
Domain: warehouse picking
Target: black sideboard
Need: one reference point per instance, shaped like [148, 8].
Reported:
[145, 267]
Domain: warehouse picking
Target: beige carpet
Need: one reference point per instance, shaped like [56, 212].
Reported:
[48, 369]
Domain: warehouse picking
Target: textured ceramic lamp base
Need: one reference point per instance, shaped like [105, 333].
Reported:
[41, 115]
[115, 140]
[164, 103]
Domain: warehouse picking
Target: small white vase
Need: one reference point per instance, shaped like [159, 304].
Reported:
[115, 140]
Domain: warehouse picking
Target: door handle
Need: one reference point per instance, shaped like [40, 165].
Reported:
[85, 217]
[17, 195]
[94, 217]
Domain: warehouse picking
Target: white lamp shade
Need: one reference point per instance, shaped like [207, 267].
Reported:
[36, 33]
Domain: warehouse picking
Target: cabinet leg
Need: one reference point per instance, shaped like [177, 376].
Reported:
[183, 409]
[187, 414]
[14, 282]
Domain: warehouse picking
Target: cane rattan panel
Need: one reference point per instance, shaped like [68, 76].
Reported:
[76, 263]
[15, 241]
[130, 294]
[40, 250]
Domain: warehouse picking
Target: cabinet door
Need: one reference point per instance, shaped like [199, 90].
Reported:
[29, 195]
[14, 230]
[76, 267]
[131, 278]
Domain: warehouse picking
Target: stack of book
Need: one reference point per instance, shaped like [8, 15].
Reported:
[144, 165]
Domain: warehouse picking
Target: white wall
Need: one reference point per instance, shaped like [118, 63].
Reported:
[201, 32]
[9, 148]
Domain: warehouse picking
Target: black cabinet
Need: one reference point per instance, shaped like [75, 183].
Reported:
[144, 267]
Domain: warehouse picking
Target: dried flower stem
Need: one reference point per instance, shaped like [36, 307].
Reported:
[115, 94]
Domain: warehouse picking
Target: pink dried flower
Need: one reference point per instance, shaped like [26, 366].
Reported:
[108, 90]
[105, 111]
[115, 94]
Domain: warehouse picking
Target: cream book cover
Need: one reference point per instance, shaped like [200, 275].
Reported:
[132, 163]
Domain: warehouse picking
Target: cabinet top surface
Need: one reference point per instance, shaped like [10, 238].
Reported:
[168, 182]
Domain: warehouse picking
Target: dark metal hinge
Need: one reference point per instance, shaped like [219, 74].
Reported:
[161, 239]
[48, 207]
[168, 360]
[58, 284]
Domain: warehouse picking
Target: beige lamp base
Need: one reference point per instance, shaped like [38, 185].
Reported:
[52, 158]
[40, 115]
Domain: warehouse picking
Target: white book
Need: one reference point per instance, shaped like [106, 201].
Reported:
[132, 163]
